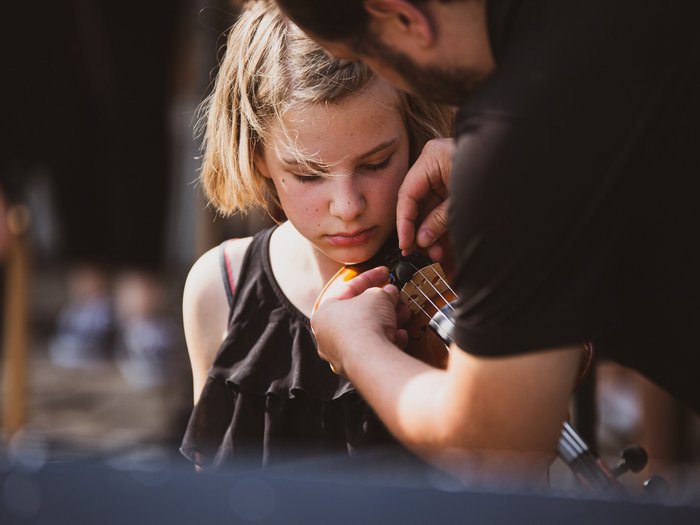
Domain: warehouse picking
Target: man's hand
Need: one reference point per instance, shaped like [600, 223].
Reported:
[362, 310]
[423, 199]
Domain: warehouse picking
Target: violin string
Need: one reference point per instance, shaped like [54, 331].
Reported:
[437, 310]
[427, 298]
[582, 461]
[572, 441]
[578, 459]
[420, 272]
[570, 452]
[419, 306]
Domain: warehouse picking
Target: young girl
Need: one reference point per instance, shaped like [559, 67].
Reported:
[328, 143]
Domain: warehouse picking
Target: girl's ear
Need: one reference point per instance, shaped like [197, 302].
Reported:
[401, 17]
[261, 164]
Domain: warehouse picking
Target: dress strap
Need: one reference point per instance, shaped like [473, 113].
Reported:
[227, 271]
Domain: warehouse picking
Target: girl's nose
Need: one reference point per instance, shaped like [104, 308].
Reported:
[348, 201]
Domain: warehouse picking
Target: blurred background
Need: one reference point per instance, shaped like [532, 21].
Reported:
[101, 218]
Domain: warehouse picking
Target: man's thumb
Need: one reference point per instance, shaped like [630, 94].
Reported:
[434, 226]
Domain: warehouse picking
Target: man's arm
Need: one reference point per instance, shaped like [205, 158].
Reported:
[479, 416]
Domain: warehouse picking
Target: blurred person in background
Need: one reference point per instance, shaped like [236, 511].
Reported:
[88, 87]
[89, 93]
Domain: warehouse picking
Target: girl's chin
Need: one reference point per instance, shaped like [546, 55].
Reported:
[358, 256]
[354, 259]
[355, 254]
[348, 256]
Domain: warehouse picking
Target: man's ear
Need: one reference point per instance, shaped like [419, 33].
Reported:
[403, 17]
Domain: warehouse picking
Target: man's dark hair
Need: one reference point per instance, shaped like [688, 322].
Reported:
[344, 20]
[333, 21]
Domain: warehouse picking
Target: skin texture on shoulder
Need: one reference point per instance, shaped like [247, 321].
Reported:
[205, 308]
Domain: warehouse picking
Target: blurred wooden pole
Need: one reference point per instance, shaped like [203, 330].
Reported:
[15, 325]
[208, 228]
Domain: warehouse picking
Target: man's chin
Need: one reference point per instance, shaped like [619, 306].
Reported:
[451, 87]
[452, 90]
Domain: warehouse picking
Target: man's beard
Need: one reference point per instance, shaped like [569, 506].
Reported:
[444, 86]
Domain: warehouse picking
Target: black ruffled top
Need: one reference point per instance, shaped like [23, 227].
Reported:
[269, 397]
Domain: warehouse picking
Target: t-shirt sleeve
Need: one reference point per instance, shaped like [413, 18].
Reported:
[532, 242]
[541, 193]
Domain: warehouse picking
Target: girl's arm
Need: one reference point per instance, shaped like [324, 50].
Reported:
[205, 308]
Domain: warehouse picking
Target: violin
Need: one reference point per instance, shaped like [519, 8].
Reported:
[424, 343]
[424, 289]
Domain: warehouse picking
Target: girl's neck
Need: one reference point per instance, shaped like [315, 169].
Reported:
[300, 269]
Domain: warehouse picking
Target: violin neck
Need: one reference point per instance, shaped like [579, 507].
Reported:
[428, 293]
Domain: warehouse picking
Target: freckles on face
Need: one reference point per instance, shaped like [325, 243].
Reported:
[358, 154]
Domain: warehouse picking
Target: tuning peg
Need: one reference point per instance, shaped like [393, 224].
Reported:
[656, 488]
[633, 459]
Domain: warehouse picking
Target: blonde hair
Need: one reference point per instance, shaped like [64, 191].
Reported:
[270, 66]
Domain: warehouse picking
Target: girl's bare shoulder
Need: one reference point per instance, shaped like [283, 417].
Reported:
[205, 282]
[205, 303]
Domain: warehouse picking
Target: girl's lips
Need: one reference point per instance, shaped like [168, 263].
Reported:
[352, 239]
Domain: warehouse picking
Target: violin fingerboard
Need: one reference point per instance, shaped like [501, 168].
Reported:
[427, 291]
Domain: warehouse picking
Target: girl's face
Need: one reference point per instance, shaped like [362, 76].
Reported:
[362, 147]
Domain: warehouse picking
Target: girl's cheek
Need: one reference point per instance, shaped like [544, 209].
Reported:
[398, 179]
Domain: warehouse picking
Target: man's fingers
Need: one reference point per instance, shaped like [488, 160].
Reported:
[358, 284]
[428, 176]
[393, 293]
[413, 191]
[406, 230]
[403, 314]
[434, 226]
[370, 306]
[436, 253]
[401, 338]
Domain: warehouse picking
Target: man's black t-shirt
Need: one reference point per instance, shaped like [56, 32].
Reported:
[574, 212]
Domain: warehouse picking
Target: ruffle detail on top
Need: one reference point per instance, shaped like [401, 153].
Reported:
[269, 397]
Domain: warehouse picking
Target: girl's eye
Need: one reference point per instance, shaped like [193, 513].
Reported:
[377, 167]
[306, 178]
